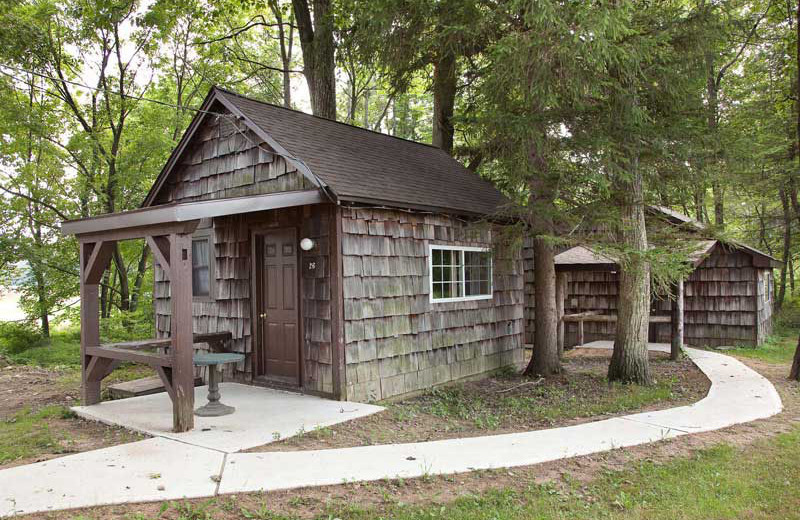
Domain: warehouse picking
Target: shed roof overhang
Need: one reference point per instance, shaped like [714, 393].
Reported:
[168, 215]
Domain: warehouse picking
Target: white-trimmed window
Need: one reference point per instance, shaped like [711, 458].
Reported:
[460, 273]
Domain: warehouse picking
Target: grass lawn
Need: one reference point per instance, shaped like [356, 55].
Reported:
[721, 482]
[27, 434]
[510, 402]
[63, 350]
[779, 347]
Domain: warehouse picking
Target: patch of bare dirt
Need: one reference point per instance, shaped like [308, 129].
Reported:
[25, 388]
[512, 403]
[32, 387]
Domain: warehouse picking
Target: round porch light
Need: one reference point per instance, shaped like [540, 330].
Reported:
[306, 244]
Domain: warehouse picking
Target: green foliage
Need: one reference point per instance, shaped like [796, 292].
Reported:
[16, 337]
[780, 346]
[63, 350]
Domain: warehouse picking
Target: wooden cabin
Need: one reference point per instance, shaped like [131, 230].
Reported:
[727, 299]
[343, 262]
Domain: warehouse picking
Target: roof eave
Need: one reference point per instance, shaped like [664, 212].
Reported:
[189, 211]
[345, 199]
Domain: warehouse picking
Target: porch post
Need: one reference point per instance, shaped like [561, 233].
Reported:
[335, 271]
[561, 289]
[90, 329]
[94, 258]
[677, 322]
[181, 331]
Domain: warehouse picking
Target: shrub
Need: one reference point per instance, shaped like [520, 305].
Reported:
[16, 337]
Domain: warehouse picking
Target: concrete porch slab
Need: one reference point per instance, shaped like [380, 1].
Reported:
[263, 415]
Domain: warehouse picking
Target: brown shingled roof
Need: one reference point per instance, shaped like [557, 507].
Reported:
[359, 165]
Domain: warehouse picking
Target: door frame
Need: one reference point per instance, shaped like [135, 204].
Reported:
[256, 277]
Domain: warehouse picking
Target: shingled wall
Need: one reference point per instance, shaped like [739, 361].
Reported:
[725, 303]
[227, 159]
[396, 340]
[222, 162]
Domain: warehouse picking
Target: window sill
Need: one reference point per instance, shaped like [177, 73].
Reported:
[462, 299]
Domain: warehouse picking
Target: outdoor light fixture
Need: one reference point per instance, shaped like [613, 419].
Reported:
[306, 244]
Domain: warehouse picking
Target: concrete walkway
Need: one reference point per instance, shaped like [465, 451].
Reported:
[161, 468]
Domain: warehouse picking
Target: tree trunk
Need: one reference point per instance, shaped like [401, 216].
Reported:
[444, 97]
[41, 292]
[719, 204]
[139, 279]
[545, 360]
[122, 272]
[629, 361]
[787, 246]
[700, 203]
[285, 43]
[105, 292]
[794, 373]
[316, 41]
[366, 107]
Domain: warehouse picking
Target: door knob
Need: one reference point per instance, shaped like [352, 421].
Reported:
[263, 316]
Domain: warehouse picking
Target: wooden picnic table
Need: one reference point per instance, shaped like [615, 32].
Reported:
[581, 317]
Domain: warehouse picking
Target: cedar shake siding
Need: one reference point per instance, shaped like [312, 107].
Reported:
[221, 162]
[396, 340]
[725, 302]
[230, 307]
[227, 159]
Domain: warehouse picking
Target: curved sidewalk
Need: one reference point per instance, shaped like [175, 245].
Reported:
[737, 395]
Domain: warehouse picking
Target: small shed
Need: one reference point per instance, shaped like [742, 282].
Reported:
[727, 299]
[342, 262]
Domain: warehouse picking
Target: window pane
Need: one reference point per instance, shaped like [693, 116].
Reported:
[200, 267]
[457, 273]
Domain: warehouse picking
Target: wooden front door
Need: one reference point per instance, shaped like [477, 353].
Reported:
[278, 337]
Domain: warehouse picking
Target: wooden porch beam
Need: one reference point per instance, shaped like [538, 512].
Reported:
[99, 368]
[180, 254]
[130, 233]
[90, 326]
[99, 258]
[677, 322]
[561, 293]
[337, 306]
[165, 374]
[160, 247]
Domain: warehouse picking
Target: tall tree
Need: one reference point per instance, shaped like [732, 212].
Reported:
[316, 25]
[438, 38]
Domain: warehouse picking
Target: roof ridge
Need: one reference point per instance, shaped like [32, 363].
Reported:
[231, 92]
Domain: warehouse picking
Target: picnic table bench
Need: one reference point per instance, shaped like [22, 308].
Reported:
[136, 352]
[581, 317]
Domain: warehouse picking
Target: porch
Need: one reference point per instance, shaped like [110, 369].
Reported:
[263, 415]
[168, 231]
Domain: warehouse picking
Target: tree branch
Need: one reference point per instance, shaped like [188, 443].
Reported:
[236, 31]
[47, 205]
